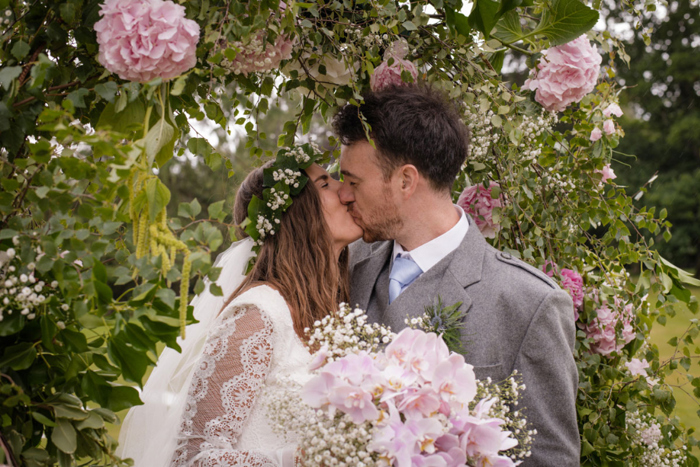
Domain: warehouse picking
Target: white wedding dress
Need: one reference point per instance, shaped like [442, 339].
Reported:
[204, 407]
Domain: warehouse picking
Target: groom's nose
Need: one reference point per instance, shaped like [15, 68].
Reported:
[345, 194]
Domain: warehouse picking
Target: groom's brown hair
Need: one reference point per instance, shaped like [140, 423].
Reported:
[410, 124]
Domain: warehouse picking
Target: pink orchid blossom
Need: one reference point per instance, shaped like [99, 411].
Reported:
[418, 403]
[355, 402]
[316, 391]
[565, 74]
[478, 202]
[454, 379]
[637, 367]
[596, 134]
[319, 358]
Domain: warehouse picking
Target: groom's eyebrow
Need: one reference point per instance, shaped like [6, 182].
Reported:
[348, 174]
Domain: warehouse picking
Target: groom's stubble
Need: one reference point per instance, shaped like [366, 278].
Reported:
[380, 220]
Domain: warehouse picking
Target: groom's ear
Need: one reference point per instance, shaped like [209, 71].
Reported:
[408, 178]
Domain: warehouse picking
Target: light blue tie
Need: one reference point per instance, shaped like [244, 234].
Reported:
[403, 272]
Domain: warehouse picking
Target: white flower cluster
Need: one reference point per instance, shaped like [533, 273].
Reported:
[6, 18]
[277, 201]
[646, 434]
[325, 440]
[532, 129]
[21, 291]
[347, 332]
[504, 397]
[482, 133]
[356, 36]
[263, 227]
[288, 176]
[300, 155]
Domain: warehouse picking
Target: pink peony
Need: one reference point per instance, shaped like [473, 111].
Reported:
[565, 74]
[571, 281]
[596, 134]
[386, 75]
[259, 55]
[477, 201]
[637, 367]
[145, 39]
[613, 109]
[609, 127]
[607, 173]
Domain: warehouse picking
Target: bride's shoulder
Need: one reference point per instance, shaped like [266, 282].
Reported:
[261, 296]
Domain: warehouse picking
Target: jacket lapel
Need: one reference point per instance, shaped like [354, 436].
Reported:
[366, 271]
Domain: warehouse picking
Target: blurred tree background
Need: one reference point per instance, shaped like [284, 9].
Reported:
[662, 124]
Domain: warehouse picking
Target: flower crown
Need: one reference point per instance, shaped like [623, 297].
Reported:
[281, 181]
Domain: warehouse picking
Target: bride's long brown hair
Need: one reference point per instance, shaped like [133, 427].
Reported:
[299, 259]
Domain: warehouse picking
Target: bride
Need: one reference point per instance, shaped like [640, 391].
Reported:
[202, 407]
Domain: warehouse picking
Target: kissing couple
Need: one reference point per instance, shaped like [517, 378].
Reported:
[387, 239]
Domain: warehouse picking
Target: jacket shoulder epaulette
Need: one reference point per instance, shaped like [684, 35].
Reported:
[508, 259]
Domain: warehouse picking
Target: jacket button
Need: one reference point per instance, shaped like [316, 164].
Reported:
[505, 255]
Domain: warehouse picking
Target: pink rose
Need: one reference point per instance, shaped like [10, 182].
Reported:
[144, 39]
[386, 75]
[596, 134]
[607, 173]
[609, 127]
[637, 366]
[613, 109]
[565, 74]
[477, 202]
[571, 281]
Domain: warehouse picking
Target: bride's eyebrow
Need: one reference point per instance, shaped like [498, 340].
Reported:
[323, 177]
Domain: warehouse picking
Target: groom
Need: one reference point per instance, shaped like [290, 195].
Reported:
[417, 246]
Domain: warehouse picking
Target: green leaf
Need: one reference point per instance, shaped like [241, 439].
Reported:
[160, 137]
[158, 197]
[123, 397]
[126, 121]
[215, 209]
[107, 90]
[77, 96]
[484, 16]
[69, 412]
[44, 420]
[9, 73]
[63, 436]
[93, 421]
[20, 50]
[564, 21]
[74, 339]
[132, 362]
[409, 26]
[19, 357]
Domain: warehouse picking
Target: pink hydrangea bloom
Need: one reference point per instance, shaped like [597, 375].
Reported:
[613, 109]
[259, 55]
[603, 329]
[637, 366]
[144, 39]
[386, 75]
[571, 281]
[565, 74]
[596, 134]
[608, 173]
[477, 202]
[609, 127]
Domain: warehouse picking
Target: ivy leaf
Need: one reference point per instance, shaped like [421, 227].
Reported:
[63, 436]
[484, 16]
[158, 197]
[107, 90]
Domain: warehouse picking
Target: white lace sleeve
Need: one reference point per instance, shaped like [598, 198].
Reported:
[236, 360]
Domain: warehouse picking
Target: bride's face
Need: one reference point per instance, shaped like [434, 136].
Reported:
[343, 228]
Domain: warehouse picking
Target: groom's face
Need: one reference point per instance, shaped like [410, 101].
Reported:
[368, 196]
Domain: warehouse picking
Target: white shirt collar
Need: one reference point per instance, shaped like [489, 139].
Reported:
[429, 254]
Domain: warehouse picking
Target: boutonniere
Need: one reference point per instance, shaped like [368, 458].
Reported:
[445, 321]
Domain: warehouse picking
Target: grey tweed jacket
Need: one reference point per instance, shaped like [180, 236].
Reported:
[517, 318]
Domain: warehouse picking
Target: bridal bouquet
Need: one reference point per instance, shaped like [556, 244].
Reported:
[410, 403]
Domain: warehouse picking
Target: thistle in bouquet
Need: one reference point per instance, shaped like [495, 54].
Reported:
[445, 321]
[412, 402]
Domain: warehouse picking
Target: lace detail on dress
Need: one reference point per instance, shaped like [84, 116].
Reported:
[236, 360]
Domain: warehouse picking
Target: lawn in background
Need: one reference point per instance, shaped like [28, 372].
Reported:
[686, 406]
